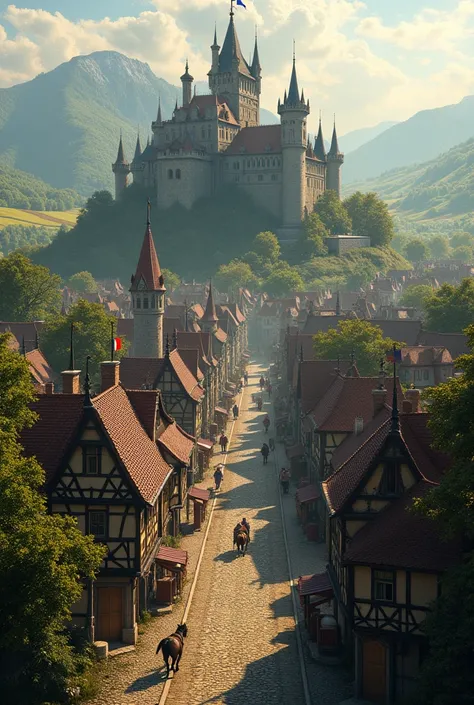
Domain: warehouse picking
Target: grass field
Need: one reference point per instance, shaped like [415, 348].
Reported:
[48, 219]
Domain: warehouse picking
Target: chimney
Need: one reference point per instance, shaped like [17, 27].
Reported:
[109, 374]
[379, 397]
[358, 425]
[413, 395]
[49, 388]
[71, 381]
[406, 406]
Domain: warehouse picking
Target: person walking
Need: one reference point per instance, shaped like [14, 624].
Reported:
[262, 383]
[269, 390]
[246, 378]
[218, 476]
[285, 480]
[235, 411]
[223, 440]
[265, 450]
[266, 423]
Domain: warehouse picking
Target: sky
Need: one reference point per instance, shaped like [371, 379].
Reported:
[366, 61]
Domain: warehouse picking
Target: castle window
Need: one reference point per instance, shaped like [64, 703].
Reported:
[139, 302]
[153, 301]
[91, 460]
[170, 173]
[260, 177]
[178, 173]
[273, 162]
[274, 177]
[203, 134]
[145, 302]
[98, 524]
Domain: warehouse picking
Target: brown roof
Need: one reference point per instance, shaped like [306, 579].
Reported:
[210, 312]
[263, 139]
[315, 378]
[456, 343]
[23, 329]
[354, 441]
[186, 377]
[39, 367]
[177, 442]
[220, 335]
[170, 325]
[320, 324]
[399, 538]
[191, 359]
[135, 372]
[402, 330]
[294, 342]
[201, 102]
[148, 267]
[425, 355]
[145, 404]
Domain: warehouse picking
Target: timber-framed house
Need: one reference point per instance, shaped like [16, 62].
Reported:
[104, 467]
[384, 560]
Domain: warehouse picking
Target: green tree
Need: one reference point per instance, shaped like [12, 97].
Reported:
[370, 217]
[172, 280]
[83, 282]
[416, 296]
[282, 281]
[463, 253]
[92, 335]
[311, 241]
[447, 674]
[333, 214]
[267, 247]
[451, 308]
[416, 250]
[461, 239]
[231, 276]
[439, 247]
[28, 291]
[43, 560]
[360, 337]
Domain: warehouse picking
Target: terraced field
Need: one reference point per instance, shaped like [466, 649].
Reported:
[48, 219]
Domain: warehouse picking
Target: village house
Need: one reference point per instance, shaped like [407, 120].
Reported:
[425, 366]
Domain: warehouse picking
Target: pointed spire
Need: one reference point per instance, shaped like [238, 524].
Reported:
[293, 92]
[148, 268]
[338, 305]
[87, 385]
[138, 149]
[71, 348]
[256, 69]
[334, 150]
[302, 96]
[159, 119]
[120, 154]
[319, 149]
[215, 44]
[231, 51]
[395, 422]
[176, 104]
[210, 314]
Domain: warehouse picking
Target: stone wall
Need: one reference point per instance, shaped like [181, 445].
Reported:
[339, 244]
[183, 179]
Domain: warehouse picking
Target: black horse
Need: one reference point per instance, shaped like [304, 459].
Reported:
[172, 648]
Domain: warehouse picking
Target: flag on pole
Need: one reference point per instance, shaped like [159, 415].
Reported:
[394, 356]
[239, 2]
[117, 344]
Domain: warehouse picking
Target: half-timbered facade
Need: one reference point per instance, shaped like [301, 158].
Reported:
[385, 561]
[104, 466]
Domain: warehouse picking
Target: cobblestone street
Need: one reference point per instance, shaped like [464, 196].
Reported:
[241, 646]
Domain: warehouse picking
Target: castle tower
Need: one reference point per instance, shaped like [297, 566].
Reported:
[148, 299]
[293, 113]
[209, 320]
[256, 69]
[187, 83]
[121, 170]
[319, 149]
[137, 166]
[232, 78]
[335, 161]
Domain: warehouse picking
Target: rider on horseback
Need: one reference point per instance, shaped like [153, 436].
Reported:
[242, 526]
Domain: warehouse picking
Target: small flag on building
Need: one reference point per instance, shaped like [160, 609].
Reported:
[117, 344]
[239, 2]
[394, 356]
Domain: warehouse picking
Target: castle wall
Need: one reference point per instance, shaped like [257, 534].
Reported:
[333, 176]
[339, 244]
[260, 175]
[183, 179]
[315, 182]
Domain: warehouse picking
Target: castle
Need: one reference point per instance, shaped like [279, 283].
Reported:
[217, 139]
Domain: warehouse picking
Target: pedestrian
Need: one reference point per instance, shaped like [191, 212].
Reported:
[269, 390]
[271, 442]
[259, 403]
[223, 440]
[246, 378]
[265, 451]
[218, 476]
[285, 479]
[262, 383]
[235, 411]
[266, 423]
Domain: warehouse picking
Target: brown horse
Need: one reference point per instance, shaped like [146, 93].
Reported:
[173, 648]
[242, 541]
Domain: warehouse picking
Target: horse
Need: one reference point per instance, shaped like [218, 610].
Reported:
[242, 541]
[172, 648]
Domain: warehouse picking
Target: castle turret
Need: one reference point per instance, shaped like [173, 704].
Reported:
[121, 170]
[215, 55]
[187, 83]
[319, 149]
[148, 299]
[293, 112]
[256, 69]
[159, 119]
[137, 166]
[335, 161]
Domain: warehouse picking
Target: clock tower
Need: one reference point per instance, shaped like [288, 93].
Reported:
[148, 299]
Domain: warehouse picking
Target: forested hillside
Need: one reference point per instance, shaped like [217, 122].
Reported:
[21, 190]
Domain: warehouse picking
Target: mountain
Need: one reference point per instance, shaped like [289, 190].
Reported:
[421, 138]
[442, 188]
[24, 191]
[64, 125]
[356, 138]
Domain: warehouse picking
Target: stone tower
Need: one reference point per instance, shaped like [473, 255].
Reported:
[148, 300]
[234, 80]
[187, 83]
[293, 113]
[121, 170]
[335, 161]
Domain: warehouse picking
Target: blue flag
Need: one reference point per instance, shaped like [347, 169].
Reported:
[239, 2]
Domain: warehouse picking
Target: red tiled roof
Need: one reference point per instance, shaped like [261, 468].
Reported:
[172, 556]
[352, 442]
[135, 372]
[198, 493]
[185, 376]
[316, 376]
[220, 335]
[314, 584]
[264, 139]
[191, 358]
[399, 538]
[425, 355]
[177, 442]
[39, 367]
[204, 101]
[145, 404]
[310, 493]
[148, 267]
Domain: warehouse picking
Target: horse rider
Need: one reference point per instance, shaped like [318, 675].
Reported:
[266, 423]
[235, 411]
[265, 451]
[242, 526]
[218, 476]
[285, 479]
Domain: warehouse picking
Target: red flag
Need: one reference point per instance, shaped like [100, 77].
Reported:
[117, 344]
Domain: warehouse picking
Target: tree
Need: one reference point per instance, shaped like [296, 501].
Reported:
[333, 214]
[92, 335]
[439, 247]
[28, 291]
[416, 296]
[236, 274]
[43, 559]
[451, 308]
[416, 250]
[460, 239]
[311, 241]
[463, 253]
[172, 280]
[370, 217]
[267, 247]
[447, 674]
[83, 282]
[354, 336]
[282, 281]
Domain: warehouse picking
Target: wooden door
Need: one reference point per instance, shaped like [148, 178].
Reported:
[109, 614]
[374, 671]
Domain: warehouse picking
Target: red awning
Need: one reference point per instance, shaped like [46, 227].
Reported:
[198, 493]
[310, 493]
[172, 558]
[220, 410]
[295, 451]
[317, 584]
[205, 443]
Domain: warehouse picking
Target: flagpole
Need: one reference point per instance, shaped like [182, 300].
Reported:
[231, 8]
[112, 341]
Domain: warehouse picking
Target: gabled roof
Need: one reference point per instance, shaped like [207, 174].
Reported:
[425, 355]
[135, 372]
[315, 378]
[177, 442]
[262, 139]
[456, 343]
[210, 314]
[40, 370]
[230, 49]
[220, 335]
[148, 268]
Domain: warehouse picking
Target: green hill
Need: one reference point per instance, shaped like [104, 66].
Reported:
[21, 190]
